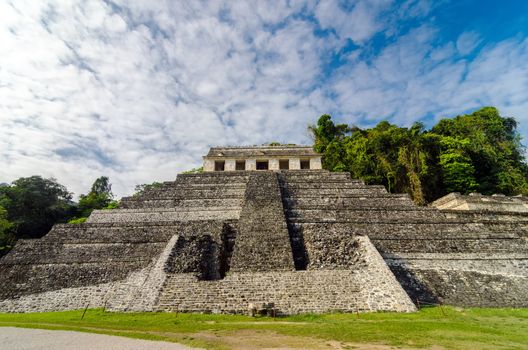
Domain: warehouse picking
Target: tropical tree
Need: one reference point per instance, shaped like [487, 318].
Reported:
[7, 235]
[34, 204]
[476, 152]
[99, 197]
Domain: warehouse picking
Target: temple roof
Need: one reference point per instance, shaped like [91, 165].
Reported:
[261, 151]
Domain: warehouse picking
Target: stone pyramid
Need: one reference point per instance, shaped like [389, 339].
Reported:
[293, 241]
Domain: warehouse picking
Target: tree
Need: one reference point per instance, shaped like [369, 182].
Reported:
[102, 186]
[34, 204]
[191, 171]
[140, 189]
[99, 197]
[7, 235]
[486, 147]
[325, 132]
[476, 152]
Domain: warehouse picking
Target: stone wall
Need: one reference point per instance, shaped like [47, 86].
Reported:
[137, 292]
[367, 285]
[35, 266]
[140, 291]
[477, 201]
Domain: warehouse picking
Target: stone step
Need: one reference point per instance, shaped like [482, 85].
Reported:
[80, 253]
[328, 185]
[198, 185]
[19, 280]
[290, 292]
[150, 203]
[263, 242]
[330, 203]
[334, 192]
[482, 216]
[413, 230]
[316, 174]
[315, 181]
[148, 232]
[228, 203]
[194, 192]
[162, 214]
[361, 213]
[224, 176]
[451, 245]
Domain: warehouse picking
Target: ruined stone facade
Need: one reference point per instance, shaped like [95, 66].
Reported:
[479, 202]
[294, 240]
[286, 157]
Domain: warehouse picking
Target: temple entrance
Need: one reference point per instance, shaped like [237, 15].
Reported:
[240, 165]
[284, 164]
[262, 165]
[219, 165]
[305, 164]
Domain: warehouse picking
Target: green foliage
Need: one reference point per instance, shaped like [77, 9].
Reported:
[275, 143]
[77, 221]
[34, 204]
[192, 171]
[7, 235]
[476, 152]
[30, 206]
[99, 197]
[140, 189]
[112, 205]
[325, 132]
[102, 185]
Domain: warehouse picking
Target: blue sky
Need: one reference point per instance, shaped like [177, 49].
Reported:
[138, 90]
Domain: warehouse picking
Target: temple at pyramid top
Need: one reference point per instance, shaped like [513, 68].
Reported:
[284, 157]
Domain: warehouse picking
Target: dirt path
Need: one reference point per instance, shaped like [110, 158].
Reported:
[13, 338]
[234, 340]
[266, 340]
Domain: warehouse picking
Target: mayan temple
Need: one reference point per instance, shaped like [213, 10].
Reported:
[267, 228]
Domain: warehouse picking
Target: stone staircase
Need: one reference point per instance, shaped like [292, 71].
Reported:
[263, 242]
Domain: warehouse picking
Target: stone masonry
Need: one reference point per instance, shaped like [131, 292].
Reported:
[293, 240]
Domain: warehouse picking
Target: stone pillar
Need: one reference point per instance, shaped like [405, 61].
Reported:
[273, 164]
[295, 163]
[208, 165]
[230, 165]
[251, 164]
[315, 163]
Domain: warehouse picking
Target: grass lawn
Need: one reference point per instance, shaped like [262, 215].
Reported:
[436, 328]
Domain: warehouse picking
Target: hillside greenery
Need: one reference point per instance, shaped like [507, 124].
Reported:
[478, 152]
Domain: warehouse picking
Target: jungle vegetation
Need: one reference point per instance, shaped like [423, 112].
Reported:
[477, 152]
[30, 206]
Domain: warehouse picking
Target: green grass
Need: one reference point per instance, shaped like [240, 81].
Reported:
[447, 327]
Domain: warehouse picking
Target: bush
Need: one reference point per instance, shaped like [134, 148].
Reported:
[77, 221]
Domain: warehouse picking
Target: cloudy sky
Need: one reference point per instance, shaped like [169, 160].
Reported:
[138, 90]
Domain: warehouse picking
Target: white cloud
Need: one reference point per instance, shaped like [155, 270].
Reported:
[359, 22]
[467, 42]
[413, 78]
